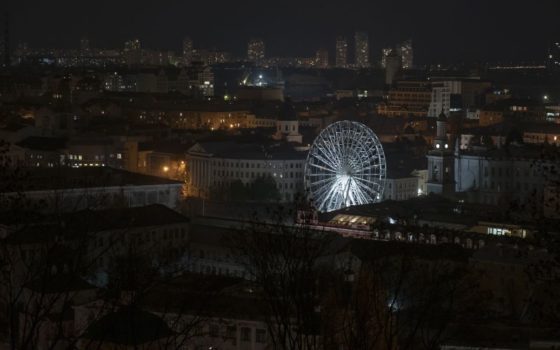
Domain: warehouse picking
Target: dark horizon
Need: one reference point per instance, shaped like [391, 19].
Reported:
[442, 31]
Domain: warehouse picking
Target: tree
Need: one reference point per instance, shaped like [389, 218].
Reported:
[62, 272]
[389, 295]
[323, 291]
[237, 191]
[264, 189]
[284, 263]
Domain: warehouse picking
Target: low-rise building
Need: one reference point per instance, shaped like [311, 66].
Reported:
[68, 189]
[514, 176]
[213, 165]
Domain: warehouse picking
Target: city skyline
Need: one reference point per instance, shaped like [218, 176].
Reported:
[440, 32]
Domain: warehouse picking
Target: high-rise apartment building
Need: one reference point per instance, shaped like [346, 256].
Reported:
[407, 54]
[187, 51]
[361, 40]
[256, 51]
[132, 53]
[322, 58]
[386, 52]
[553, 58]
[392, 67]
[341, 52]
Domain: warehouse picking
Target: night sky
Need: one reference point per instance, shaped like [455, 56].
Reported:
[442, 30]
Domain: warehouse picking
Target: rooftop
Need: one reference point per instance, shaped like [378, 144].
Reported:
[515, 151]
[35, 179]
[249, 151]
[41, 143]
[89, 221]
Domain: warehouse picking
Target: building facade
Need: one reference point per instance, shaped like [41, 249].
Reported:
[187, 51]
[407, 54]
[504, 176]
[361, 40]
[341, 58]
[385, 52]
[256, 51]
[322, 58]
[214, 165]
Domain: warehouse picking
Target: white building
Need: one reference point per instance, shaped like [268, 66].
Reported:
[215, 164]
[401, 188]
[441, 98]
[406, 177]
[503, 176]
[456, 94]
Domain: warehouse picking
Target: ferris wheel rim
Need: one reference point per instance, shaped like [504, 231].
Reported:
[345, 166]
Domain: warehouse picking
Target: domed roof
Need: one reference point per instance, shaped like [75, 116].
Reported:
[287, 111]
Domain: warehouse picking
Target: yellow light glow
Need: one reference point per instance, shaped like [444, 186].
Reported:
[165, 169]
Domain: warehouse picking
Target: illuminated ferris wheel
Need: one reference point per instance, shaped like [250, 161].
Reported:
[345, 167]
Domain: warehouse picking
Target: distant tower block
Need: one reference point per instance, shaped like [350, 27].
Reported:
[392, 67]
[341, 59]
[362, 49]
[187, 51]
[256, 51]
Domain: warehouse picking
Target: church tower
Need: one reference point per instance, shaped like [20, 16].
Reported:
[441, 162]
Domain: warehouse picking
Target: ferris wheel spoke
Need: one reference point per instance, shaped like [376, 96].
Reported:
[335, 149]
[354, 141]
[325, 187]
[347, 193]
[366, 188]
[334, 160]
[329, 197]
[328, 181]
[364, 180]
[326, 147]
[370, 167]
[358, 196]
[370, 187]
[326, 166]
